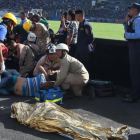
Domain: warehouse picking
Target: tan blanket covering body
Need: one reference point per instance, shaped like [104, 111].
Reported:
[49, 117]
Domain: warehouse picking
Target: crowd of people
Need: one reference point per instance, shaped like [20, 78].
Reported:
[54, 5]
[110, 11]
[30, 59]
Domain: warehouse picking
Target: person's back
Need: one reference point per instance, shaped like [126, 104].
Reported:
[20, 31]
[71, 65]
[43, 36]
[29, 56]
[75, 66]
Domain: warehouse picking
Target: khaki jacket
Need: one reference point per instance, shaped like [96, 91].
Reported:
[47, 64]
[71, 65]
[27, 56]
[43, 36]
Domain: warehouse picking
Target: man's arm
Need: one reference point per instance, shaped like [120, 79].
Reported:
[89, 34]
[61, 75]
[1, 55]
[69, 39]
[22, 56]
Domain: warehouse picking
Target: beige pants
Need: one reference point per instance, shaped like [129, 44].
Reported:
[74, 82]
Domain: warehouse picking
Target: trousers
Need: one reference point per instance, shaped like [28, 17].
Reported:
[134, 59]
[74, 82]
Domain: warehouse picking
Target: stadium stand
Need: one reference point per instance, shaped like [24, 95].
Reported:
[106, 11]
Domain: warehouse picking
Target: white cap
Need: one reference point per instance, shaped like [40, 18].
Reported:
[62, 46]
[31, 37]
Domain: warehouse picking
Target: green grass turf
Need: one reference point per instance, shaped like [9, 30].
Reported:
[100, 30]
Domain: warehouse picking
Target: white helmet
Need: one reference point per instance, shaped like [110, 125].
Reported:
[51, 48]
[62, 46]
[31, 37]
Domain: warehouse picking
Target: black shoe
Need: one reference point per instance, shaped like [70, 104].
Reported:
[129, 100]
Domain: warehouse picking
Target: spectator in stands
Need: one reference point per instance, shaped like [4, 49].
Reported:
[23, 18]
[42, 34]
[72, 30]
[62, 32]
[37, 19]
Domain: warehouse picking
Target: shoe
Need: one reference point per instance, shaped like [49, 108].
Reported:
[129, 100]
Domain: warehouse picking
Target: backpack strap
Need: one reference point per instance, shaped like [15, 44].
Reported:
[32, 49]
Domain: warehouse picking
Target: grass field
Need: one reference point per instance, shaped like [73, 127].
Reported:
[100, 30]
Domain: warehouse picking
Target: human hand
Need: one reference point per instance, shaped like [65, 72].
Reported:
[62, 18]
[127, 18]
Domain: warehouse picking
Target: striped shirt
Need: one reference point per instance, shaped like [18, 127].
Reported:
[32, 85]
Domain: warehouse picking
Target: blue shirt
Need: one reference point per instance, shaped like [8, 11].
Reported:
[3, 31]
[136, 27]
[23, 21]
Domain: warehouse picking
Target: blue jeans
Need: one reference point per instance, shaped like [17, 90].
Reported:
[5, 85]
[10, 72]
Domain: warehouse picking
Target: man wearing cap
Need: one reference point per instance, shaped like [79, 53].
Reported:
[132, 34]
[8, 22]
[49, 62]
[85, 39]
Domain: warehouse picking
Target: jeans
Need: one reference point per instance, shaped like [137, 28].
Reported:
[5, 85]
[10, 72]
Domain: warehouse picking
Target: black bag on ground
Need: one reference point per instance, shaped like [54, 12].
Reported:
[102, 88]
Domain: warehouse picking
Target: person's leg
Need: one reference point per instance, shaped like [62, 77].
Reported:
[4, 91]
[14, 72]
[134, 58]
[74, 82]
[5, 84]
[6, 73]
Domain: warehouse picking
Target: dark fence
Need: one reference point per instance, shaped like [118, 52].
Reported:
[110, 61]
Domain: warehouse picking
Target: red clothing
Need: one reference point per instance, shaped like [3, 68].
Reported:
[4, 51]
